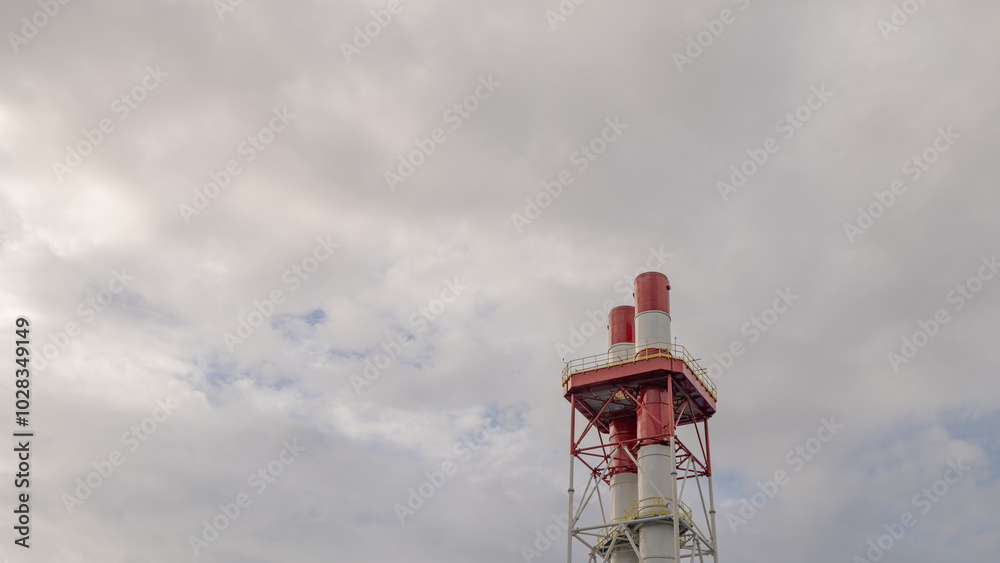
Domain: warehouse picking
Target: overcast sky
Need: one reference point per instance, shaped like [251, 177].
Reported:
[291, 261]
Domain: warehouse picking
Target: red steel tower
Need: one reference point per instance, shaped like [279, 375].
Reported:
[646, 403]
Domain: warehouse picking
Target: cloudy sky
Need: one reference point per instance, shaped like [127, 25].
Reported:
[284, 263]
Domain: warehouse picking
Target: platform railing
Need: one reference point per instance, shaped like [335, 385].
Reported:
[658, 506]
[652, 350]
[654, 506]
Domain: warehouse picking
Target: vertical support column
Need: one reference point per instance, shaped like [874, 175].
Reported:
[711, 505]
[711, 496]
[674, 508]
[570, 521]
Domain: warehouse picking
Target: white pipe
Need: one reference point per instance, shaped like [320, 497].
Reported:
[651, 327]
[621, 352]
[624, 489]
[656, 539]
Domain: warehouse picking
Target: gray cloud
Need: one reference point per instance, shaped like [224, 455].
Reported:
[492, 348]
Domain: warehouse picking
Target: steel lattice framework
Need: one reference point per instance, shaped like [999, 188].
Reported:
[606, 387]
